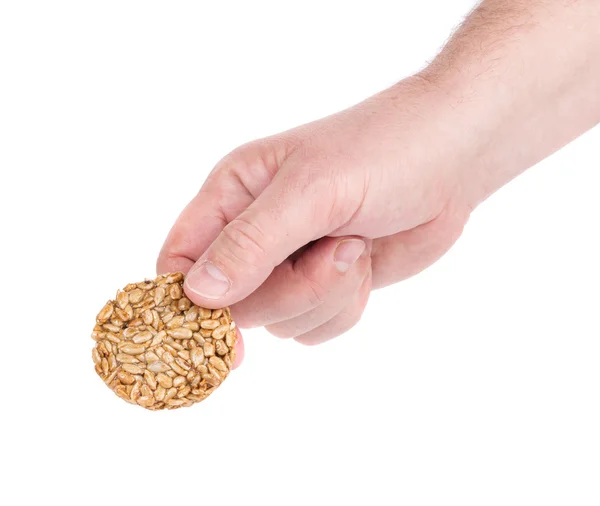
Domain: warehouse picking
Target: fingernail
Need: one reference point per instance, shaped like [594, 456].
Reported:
[347, 252]
[208, 281]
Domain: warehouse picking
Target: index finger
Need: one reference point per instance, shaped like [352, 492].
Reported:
[195, 229]
[222, 198]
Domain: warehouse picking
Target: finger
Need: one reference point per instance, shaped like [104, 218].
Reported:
[291, 212]
[239, 350]
[231, 187]
[333, 303]
[342, 322]
[196, 227]
[328, 269]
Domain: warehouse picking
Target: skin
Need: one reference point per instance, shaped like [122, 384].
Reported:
[300, 227]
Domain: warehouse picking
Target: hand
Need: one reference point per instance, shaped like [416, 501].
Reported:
[294, 231]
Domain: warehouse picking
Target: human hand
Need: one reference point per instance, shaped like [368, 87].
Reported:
[276, 230]
[295, 230]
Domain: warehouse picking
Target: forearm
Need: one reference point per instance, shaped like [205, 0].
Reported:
[521, 79]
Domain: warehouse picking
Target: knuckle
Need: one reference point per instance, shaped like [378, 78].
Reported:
[304, 341]
[237, 157]
[354, 318]
[279, 331]
[350, 316]
[342, 323]
[349, 319]
[315, 292]
[243, 243]
[324, 181]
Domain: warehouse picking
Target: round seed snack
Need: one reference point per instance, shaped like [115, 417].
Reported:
[156, 349]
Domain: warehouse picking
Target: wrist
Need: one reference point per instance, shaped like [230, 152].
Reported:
[462, 135]
[480, 115]
[519, 86]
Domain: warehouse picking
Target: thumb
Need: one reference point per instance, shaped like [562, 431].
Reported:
[291, 212]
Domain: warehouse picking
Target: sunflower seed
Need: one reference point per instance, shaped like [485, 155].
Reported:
[230, 338]
[182, 363]
[160, 392]
[133, 349]
[126, 359]
[147, 317]
[193, 326]
[158, 338]
[178, 381]
[180, 333]
[184, 304]
[159, 295]
[197, 356]
[151, 357]
[209, 349]
[96, 356]
[158, 367]
[184, 392]
[150, 379]
[177, 368]
[218, 363]
[125, 378]
[142, 337]
[171, 392]
[135, 296]
[219, 332]
[205, 313]
[192, 314]
[175, 291]
[124, 314]
[209, 324]
[164, 380]
[175, 402]
[113, 338]
[175, 322]
[105, 313]
[132, 369]
[221, 348]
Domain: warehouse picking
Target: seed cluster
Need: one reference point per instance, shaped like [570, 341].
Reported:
[156, 349]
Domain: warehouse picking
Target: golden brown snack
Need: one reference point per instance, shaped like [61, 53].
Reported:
[156, 349]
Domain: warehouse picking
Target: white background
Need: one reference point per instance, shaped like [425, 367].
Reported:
[474, 383]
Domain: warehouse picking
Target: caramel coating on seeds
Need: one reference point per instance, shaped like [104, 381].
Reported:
[154, 348]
